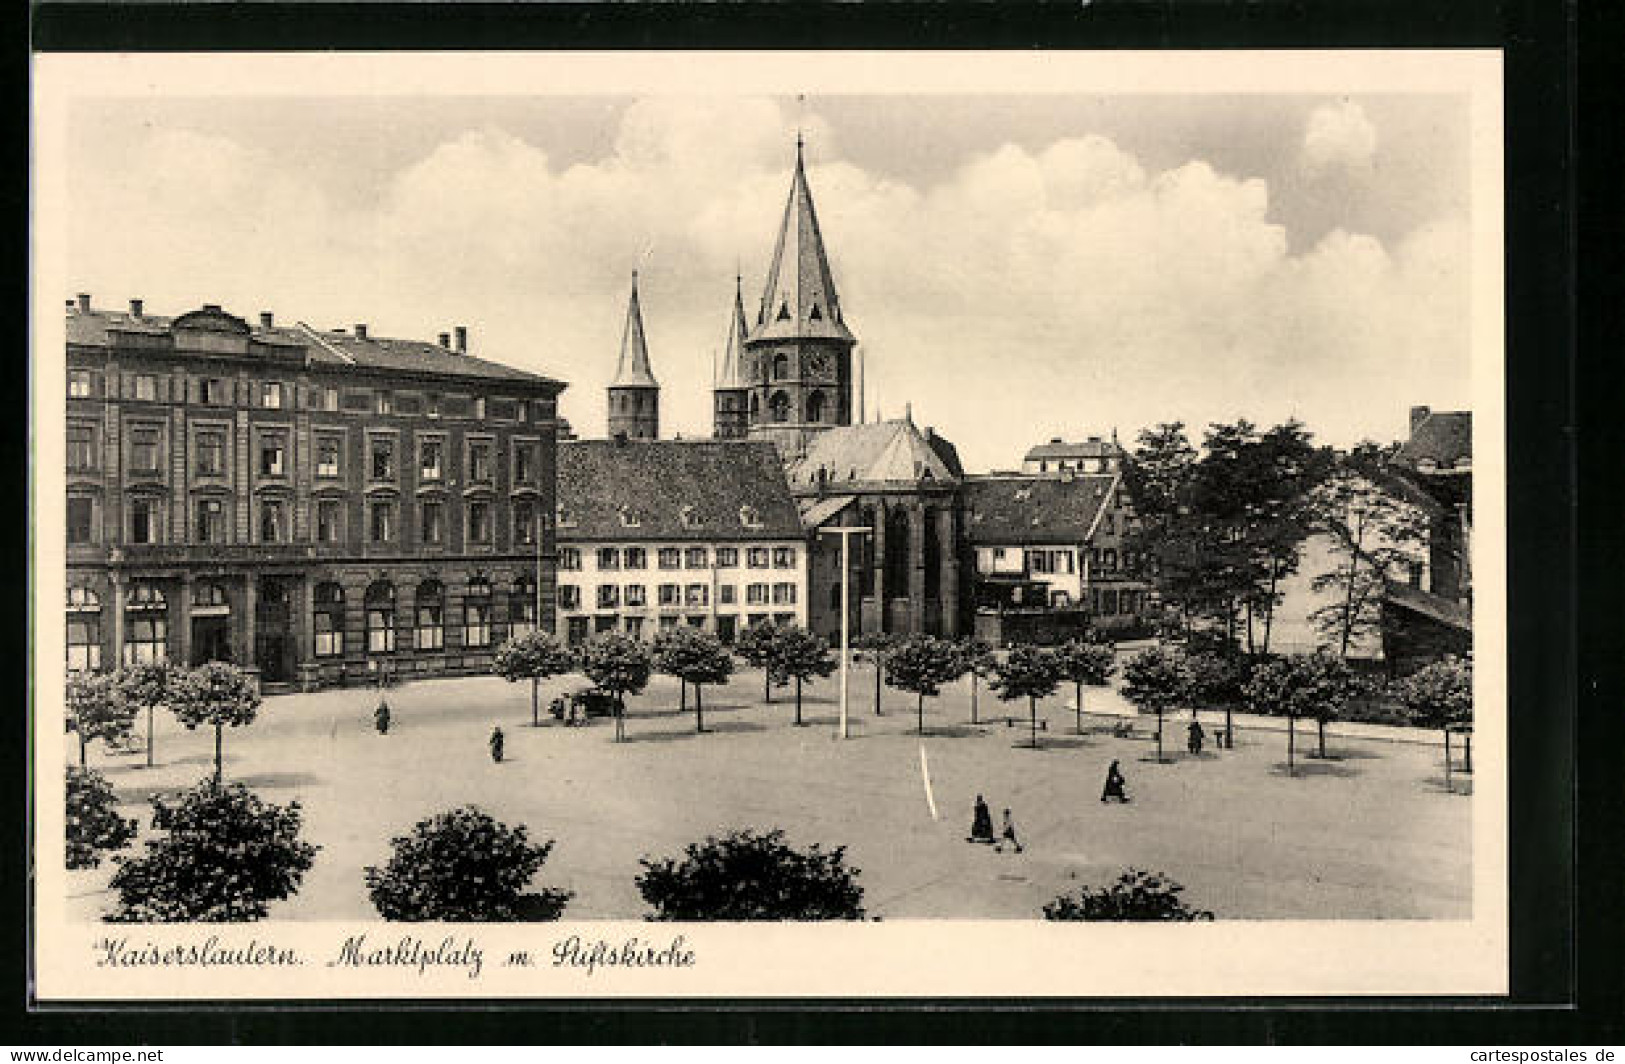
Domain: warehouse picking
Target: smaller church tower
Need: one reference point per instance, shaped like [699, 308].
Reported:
[634, 394]
[730, 418]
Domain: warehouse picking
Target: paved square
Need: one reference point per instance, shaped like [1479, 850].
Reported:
[1368, 834]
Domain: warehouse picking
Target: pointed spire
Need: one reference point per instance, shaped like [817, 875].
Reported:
[737, 331]
[633, 369]
[799, 299]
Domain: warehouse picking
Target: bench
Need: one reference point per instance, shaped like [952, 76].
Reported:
[1025, 722]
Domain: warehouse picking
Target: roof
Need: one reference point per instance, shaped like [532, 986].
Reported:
[815, 512]
[799, 298]
[1441, 441]
[731, 375]
[654, 482]
[1434, 607]
[328, 350]
[1009, 510]
[632, 371]
[877, 452]
[1093, 447]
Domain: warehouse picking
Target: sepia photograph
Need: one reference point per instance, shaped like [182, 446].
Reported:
[939, 518]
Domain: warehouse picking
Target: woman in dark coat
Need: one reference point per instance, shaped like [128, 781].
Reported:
[496, 745]
[981, 823]
[1114, 785]
[1193, 737]
[380, 717]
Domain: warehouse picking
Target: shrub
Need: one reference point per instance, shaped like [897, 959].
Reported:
[463, 866]
[94, 824]
[752, 876]
[224, 855]
[1136, 895]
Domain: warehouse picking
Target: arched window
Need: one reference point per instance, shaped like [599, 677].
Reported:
[779, 407]
[84, 630]
[329, 614]
[146, 625]
[815, 406]
[781, 367]
[784, 311]
[477, 613]
[430, 603]
[522, 607]
[380, 603]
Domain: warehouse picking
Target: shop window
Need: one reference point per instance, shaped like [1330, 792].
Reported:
[380, 607]
[146, 625]
[430, 602]
[477, 614]
[84, 630]
[329, 615]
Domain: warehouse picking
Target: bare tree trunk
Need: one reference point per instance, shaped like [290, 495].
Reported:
[620, 717]
[1079, 687]
[1229, 728]
[1447, 786]
[973, 698]
[1348, 597]
[798, 700]
[767, 684]
[699, 709]
[682, 703]
[1249, 627]
[920, 710]
[219, 764]
[879, 672]
[1159, 734]
[1032, 704]
[1320, 726]
[1467, 751]
[535, 702]
[1269, 605]
[149, 736]
[83, 742]
[1291, 742]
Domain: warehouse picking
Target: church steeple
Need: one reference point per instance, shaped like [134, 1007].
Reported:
[634, 394]
[799, 299]
[731, 392]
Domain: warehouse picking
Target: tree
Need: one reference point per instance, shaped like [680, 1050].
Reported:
[214, 693]
[1440, 696]
[1027, 672]
[874, 647]
[1303, 685]
[224, 855]
[977, 659]
[1136, 895]
[464, 866]
[1157, 680]
[695, 657]
[758, 645]
[145, 685]
[93, 821]
[535, 656]
[96, 709]
[618, 665]
[749, 875]
[1080, 662]
[920, 665]
[803, 656]
[1216, 680]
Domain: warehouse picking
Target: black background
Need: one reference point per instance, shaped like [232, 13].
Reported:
[1565, 698]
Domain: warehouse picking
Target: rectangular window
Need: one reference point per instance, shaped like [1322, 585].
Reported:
[79, 386]
[273, 521]
[635, 558]
[330, 400]
[383, 458]
[431, 629]
[521, 411]
[273, 456]
[727, 557]
[82, 448]
[383, 522]
[434, 521]
[479, 522]
[144, 521]
[756, 594]
[784, 594]
[576, 631]
[431, 460]
[756, 558]
[479, 408]
[211, 453]
[569, 559]
[479, 462]
[81, 519]
[329, 521]
[671, 558]
[636, 595]
[609, 558]
[327, 456]
[271, 395]
[784, 557]
[670, 595]
[329, 639]
[211, 521]
[524, 463]
[146, 387]
[634, 626]
[696, 596]
[569, 597]
[524, 523]
[386, 403]
[727, 595]
[609, 596]
[695, 558]
[477, 622]
[144, 447]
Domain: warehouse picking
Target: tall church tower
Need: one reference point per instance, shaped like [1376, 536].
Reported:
[634, 394]
[730, 419]
[797, 364]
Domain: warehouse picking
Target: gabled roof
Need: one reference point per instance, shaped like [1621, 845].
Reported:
[1093, 447]
[815, 511]
[327, 350]
[881, 452]
[1441, 442]
[1425, 603]
[1015, 510]
[632, 371]
[731, 375]
[655, 482]
[799, 298]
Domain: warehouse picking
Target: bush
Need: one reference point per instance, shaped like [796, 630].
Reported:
[1136, 895]
[752, 876]
[94, 824]
[463, 866]
[1217, 679]
[225, 855]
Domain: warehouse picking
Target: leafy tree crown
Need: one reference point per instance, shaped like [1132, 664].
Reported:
[214, 693]
[1137, 895]
[97, 709]
[1302, 685]
[921, 664]
[693, 655]
[749, 875]
[617, 663]
[1027, 672]
[1079, 661]
[463, 865]
[1439, 695]
[533, 656]
[147, 684]
[1157, 679]
[758, 644]
[93, 821]
[804, 655]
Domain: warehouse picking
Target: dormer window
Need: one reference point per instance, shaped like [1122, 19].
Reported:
[690, 518]
[629, 519]
[1427, 465]
[815, 314]
[749, 517]
[566, 517]
[784, 312]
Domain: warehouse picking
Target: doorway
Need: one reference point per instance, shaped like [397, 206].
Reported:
[211, 639]
[273, 636]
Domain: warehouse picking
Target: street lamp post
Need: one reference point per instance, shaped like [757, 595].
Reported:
[846, 533]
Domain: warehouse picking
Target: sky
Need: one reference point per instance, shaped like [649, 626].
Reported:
[1015, 267]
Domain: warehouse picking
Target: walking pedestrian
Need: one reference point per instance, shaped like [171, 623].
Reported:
[380, 717]
[1009, 835]
[1193, 737]
[981, 823]
[496, 744]
[1114, 785]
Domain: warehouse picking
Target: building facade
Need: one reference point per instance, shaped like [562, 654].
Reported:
[314, 505]
[1092, 455]
[657, 534]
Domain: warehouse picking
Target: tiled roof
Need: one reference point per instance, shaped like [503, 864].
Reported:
[799, 298]
[815, 512]
[1091, 448]
[331, 350]
[879, 452]
[1012, 510]
[633, 371]
[1443, 438]
[654, 482]
[1434, 607]
[732, 373]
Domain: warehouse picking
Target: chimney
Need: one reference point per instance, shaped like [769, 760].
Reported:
[72, 304]
[462, 339]
[135, 308]
[267, 319]
[361, 330]
[1419, 414]
[1094, 439]
[84, 302]
[1055, 439]
[445, 341]
[206, 306]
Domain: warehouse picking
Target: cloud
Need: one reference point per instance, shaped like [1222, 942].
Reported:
[1339, 136]
[1063, 289]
